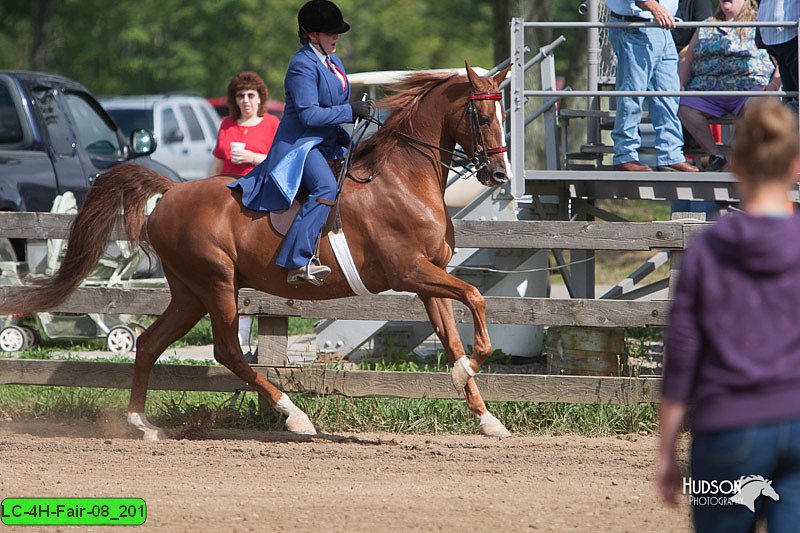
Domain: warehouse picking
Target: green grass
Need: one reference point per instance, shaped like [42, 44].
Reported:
[192, 413]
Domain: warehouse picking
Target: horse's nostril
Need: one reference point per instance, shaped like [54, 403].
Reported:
[500, 177]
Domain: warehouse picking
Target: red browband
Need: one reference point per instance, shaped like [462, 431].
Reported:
[500, 150]
[486, 96]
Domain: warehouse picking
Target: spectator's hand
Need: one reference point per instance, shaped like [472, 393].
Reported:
[361, 109]
[243, 156]
[668, 479]
[661, 16]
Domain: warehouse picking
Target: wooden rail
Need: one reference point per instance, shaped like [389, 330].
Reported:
[528, 234]
[350, 383]
[272, 311]
[499, 309]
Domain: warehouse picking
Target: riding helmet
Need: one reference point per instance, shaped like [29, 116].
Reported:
[321, 15]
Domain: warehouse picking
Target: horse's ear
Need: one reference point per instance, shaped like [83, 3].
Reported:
[472, 76]
[500, 76]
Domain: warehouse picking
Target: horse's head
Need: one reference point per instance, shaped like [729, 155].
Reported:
[482, 134]
[768, 490]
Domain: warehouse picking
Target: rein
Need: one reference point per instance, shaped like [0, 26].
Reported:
[479, 160]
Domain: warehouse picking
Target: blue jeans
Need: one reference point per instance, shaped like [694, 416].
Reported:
[646, 60]
[709, 207]
[298, 246]
[769, 450]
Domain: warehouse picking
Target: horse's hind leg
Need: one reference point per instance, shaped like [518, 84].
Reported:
[440, 312]
[183, 312]
[220, 301]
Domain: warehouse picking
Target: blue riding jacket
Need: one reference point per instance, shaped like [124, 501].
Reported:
[315, 106]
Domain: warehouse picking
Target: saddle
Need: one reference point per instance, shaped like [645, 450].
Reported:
[281, 221]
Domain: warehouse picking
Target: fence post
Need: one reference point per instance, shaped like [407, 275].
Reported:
[517, 145]
[273, 340]
[675, 255]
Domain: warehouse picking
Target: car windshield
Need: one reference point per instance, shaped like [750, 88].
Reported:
[131, 119]
[95, 132]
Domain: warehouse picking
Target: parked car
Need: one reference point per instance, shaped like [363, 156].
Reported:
[220, 103]
[55, 138]
[185, 126]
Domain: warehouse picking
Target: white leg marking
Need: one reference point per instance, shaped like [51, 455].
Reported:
[492, 427]
[149, 431]
[296, 420]
[461, 373]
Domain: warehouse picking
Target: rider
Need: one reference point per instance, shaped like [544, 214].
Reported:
[317, 95]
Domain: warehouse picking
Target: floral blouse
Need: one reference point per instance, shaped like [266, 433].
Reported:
[727, 60]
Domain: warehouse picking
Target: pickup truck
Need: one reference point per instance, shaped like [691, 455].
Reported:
[55, 137]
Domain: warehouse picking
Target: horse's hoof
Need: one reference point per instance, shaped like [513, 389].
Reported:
[153, 434]
[149, 431]
[492, 427]
[299, 424]
[461, 373]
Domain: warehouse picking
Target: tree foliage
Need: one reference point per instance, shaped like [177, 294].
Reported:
[157, 46]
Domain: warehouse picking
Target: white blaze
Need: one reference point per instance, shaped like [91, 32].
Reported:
[499, 112]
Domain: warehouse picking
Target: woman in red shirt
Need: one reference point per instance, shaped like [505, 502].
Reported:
[248, 123]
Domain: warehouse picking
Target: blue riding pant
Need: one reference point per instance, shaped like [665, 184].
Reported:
[769, 450]
[646, 60]
[319, 181]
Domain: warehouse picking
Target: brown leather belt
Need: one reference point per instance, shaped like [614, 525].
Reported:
[629, 18]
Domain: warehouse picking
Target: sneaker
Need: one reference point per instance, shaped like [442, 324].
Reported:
[716, 163]
[314, 274]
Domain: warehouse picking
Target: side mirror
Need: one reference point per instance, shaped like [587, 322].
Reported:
[173, 136]
[142, 142]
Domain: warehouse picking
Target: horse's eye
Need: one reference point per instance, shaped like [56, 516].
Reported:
[484, 120]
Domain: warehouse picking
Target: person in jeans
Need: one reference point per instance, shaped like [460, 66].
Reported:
[781, 43]
[732, 347]
[646, 60]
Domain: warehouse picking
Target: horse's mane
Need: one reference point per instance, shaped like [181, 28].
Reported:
[402, 105]
[748, 479]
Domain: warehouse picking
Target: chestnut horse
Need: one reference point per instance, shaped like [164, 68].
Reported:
[397, 227]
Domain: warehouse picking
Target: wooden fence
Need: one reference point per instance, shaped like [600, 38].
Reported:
[273, 311]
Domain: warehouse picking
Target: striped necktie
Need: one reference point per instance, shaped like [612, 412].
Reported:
[336, 72]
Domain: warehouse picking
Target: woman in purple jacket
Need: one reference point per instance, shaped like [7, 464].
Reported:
[732, 348]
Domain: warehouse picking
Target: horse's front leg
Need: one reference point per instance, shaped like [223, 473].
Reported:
[440, 312]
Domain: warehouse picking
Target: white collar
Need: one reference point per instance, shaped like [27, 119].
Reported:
[319, 54]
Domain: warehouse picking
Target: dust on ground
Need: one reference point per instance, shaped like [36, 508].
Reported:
[249, 480]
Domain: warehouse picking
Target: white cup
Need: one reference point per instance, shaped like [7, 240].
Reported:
[236, 149]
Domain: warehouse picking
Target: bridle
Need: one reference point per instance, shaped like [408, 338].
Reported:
[480, 159]
[474, 121]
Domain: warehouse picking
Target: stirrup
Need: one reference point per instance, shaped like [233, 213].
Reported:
[311, 273]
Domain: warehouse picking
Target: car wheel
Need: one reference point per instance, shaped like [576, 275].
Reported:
[12, 339]
[121, 339]
[31, 338]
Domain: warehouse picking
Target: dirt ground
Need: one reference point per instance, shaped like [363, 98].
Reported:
[233, 480]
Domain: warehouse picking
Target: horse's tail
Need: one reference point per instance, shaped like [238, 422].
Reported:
[125, 187]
